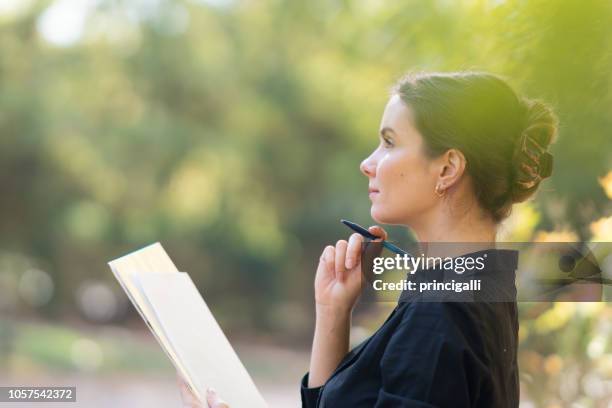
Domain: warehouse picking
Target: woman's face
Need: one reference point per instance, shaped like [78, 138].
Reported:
[401, 178]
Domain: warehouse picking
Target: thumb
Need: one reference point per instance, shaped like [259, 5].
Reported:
[378, 231]
[213, 399]
[372, 249]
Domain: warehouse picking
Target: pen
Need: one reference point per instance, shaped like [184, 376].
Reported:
[360, 230]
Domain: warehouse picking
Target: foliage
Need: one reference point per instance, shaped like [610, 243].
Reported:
[233, 130]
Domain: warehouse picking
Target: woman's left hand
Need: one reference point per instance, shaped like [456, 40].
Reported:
[191, 401]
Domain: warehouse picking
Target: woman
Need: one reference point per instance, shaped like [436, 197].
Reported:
[456, 151]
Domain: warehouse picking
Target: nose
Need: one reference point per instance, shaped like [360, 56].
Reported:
[368, 166]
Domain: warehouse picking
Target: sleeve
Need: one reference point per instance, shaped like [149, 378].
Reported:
[424, 365]
[309, 396]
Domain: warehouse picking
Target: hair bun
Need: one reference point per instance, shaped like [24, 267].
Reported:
[532, 161]
[546, 165]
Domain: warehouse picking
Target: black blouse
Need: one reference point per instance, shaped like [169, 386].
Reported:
[432, 354]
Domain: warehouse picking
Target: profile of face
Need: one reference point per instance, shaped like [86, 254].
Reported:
[402, 178]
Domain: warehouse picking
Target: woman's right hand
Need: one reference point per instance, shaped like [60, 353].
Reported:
[338, 280]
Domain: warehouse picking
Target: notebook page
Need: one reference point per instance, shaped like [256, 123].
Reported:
[152, 258]
[198, 340]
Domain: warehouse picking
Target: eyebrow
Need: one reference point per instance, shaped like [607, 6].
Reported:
[386, 130]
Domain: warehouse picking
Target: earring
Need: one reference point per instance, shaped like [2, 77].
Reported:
[439, 191]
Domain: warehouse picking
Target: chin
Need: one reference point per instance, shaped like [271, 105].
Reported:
[381, 216]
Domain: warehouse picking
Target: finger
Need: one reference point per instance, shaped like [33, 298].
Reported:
[328, 258]
[340, 259]
[327, 252]
[379, 232]
[213, 400]
[353, 251]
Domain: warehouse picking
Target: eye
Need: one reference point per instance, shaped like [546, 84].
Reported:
[387, 141]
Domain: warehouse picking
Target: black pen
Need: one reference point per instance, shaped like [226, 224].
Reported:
[360, 230]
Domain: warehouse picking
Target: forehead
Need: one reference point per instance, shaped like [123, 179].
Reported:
[398, 117]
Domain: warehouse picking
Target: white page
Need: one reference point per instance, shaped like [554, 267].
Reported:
[197, 339]
[152, 258]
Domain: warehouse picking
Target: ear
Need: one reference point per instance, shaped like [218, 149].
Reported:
[452, 167]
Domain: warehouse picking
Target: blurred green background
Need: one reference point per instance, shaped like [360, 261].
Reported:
[232, 132]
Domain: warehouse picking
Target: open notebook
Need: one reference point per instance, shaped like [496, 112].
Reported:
[178, 317]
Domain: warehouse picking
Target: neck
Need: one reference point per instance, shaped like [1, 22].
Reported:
[470, 227]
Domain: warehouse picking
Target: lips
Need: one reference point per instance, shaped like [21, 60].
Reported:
[373, 190]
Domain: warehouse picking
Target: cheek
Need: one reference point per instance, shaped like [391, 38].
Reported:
[400, 171]
[390, 167]
[405, 183]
